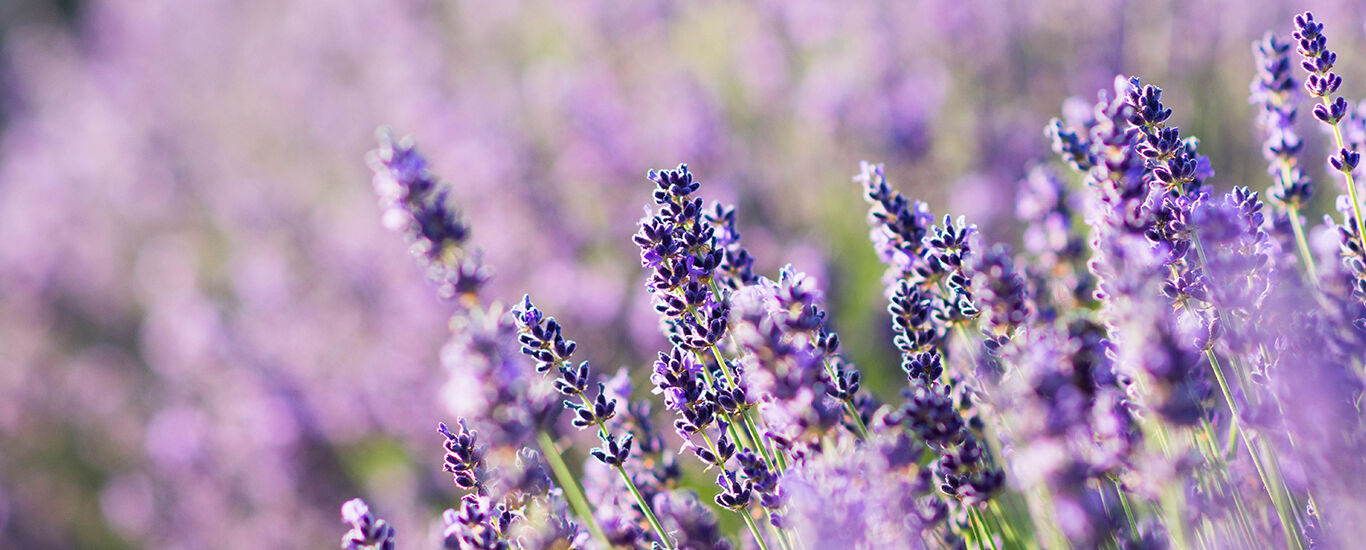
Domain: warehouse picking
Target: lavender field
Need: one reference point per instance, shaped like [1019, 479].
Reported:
[776, 275]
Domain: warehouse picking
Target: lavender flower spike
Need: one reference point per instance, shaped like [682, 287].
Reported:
[367, 531]
[1322, 83]
[418, 204]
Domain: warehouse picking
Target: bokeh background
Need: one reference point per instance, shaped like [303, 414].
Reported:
[208, 341]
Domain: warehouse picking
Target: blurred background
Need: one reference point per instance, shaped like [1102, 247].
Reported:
[207, 340]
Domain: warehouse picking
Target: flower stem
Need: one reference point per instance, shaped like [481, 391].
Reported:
[753, 528]
[1275, 490]
[1351, 187]
[1311, 271]
[572, 491]
[645, 508]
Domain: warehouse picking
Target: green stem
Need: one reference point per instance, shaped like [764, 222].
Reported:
[753, 528]
[1172, 503]
[1275, 486]
[861, 430]
[1303, 244]
[1124, 503]
[979, 526]
[645, 508]
[1213, 453]
[572, 492]
[783, 540]
[1351, 186]
[1274, 490]
[997, 522]
[734, 432]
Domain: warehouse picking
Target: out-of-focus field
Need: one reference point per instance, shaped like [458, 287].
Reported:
[207, 340]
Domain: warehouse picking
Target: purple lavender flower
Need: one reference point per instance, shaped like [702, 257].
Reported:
[1322, 83]
[478, 524]
[367, 532]
[416, 203]
[1273, 91]
[1057, 275]
[737, 265]
[464, 457]
[689, 520]
[899, 226]
[873, 496]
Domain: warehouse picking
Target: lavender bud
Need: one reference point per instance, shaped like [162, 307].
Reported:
[367, 532]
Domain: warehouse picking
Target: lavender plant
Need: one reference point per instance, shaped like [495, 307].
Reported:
[1145, 379]
[199, 340]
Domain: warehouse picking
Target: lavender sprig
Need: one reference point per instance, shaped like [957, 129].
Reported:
[367, 531]
[685, 255]
[1323, 83]
[929, 299]
[419, 204]
[1274, 91]
[512, 400]
[542, 340]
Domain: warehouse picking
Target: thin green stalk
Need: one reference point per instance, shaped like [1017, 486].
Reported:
[645, 508]
[1274, 490]
[996, 521]
[849, 405]
[572, 492]
[1172, 504]
[753, 528]
[1303, 244]
[990, 435]
[734, 432]
[967, 343]
[861, 430]
[1351, 186]
[1005, 523]
[756, 444]
[1207, 435]
[1124, 503]
[980, 524]
[771, 455]
[783, 540]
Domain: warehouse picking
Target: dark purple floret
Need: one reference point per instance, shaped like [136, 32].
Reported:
[1148, 110]
[761, 477]
[684, 254]
[367, 531]
[613, 452]
[1072, 147]
[912, 310]
[599, 411]
[1005, 293]
[464, 457]
[930, 414]
[1171, 161]
[1322, 83]
[736, 492]
[478, 524]
[419, 204]
[692, 523]
[677, 376]
[1273, 90]
[948, 247]
[673, 185]
[541, 337]
[899, 226]
[736, 269]
[1318, 59]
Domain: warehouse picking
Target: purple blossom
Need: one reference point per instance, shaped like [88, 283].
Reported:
[367, 531]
